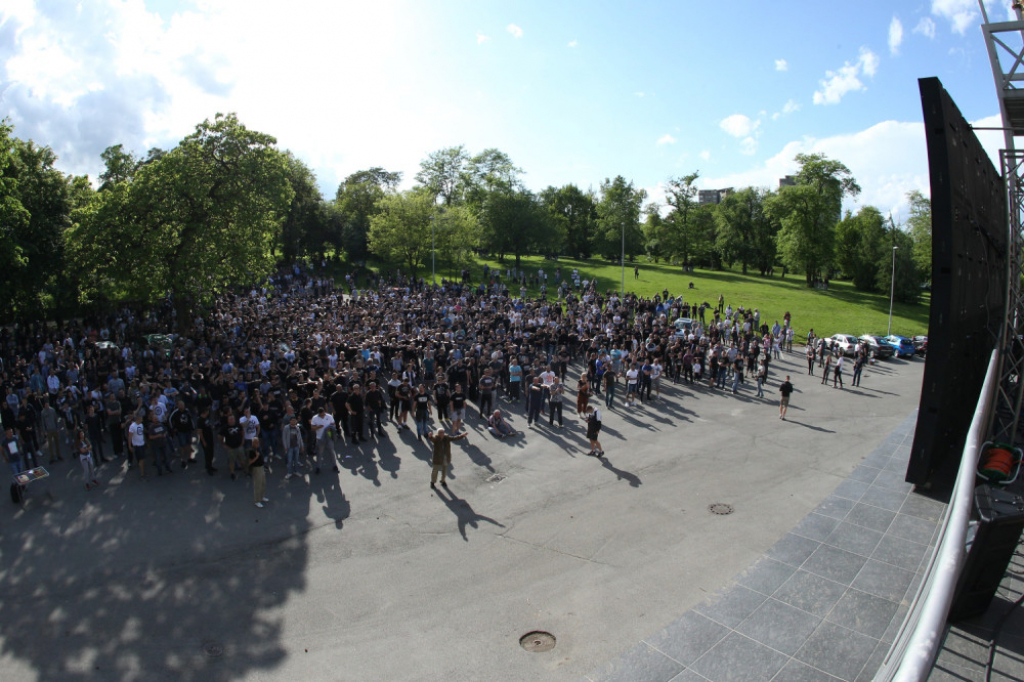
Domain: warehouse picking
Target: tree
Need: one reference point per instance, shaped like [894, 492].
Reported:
[515, 222]
[745, 230]
[618, 219]
[488, 171]
[14, 222]
[861, 246]
[456, 234]
[445, 174]
[920, 224]
[808, 213]
[400, 229]
[357, 199]
[680, 235]
[203, 217]
[39, 278]
[304, 229]
[906, 286]
[573, 213]
[120, 166]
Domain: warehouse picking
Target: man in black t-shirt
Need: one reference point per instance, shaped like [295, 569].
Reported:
[354, 409]
[785, 389]
[232, 438]
[487, 385]
[458, 408]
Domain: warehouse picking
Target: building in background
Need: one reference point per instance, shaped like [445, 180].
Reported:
[713, 196]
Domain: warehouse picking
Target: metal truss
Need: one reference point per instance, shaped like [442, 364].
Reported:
[1005, 43]
[1010, 387]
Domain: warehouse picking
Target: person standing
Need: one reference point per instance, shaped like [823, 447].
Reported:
[611, 380]
[137, 443]
[762, 376]
[555, 395]
[205, 430]
[837, 373]
[323, 426]
[441, 458]
[825, 368]
[232, 437]
[534, 401]
[858, 368]
[259, 476]
[515, 379]
[422, 403]
[48, 423]
[355, 408]
[810, 357]
[159, 444]
[376, 406]
[582, 394]
[83, 448]
[291, 439]
[786, 389]
[486, 388]
[593, 418]
[632, 379]
[12, 449]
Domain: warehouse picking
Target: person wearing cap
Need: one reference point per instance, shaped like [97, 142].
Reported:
[442, 454]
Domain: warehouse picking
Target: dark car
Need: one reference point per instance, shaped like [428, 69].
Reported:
[920, 345]
[877, 348]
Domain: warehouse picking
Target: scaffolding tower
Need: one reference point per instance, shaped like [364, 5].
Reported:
[1005, 43]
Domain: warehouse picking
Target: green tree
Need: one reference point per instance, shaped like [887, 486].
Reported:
[400, 229]
[745, 230]
[445, 174]
[906, 285]
[456, 234]
[515, 223]
[920, 225]
[618, 219]
[490, 170]
[304, 229]
[808, 213]
[573, 213]
[357, 199]
[680, 237]
[14, 223]
[203, 217]
[861, 246]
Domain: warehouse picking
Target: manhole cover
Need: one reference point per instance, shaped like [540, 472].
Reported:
[720, 508]
[537, 641]
[496, 478]
[213, 648]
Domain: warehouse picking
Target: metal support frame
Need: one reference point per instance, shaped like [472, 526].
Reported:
[1006, 39]
[1009, 396]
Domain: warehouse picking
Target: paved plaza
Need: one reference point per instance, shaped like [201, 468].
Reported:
[371, 575]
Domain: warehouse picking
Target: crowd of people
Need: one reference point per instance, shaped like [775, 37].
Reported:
[304, 372]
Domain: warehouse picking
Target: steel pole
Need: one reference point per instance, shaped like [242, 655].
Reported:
[892, 288]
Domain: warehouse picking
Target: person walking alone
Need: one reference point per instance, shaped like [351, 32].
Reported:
[786, 389]
[441, 457]
[593, 418]
[259, 476]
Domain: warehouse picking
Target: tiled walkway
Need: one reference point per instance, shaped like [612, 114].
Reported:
[824, 603]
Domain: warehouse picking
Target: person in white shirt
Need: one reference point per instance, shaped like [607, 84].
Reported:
[632, 375]
[137, 443]
[656, 371]
[323, 427]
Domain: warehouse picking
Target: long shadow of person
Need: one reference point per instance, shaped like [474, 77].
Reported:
[633, 479]
[464, 513]
[327, 489]
[387, 456]
[478, 457]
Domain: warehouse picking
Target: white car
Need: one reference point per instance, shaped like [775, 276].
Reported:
[846, 343]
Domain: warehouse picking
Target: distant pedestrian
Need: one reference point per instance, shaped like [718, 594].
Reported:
[837, 373]
[786, 389]
[555, 394]
[534, 401]
[83, 448]
[810, 358]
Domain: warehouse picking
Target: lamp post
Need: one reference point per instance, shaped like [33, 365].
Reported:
[892, 288]
[622, 294]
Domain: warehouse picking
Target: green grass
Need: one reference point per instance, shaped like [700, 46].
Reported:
[841, 309]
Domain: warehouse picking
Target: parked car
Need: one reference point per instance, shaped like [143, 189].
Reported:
[845, 343]
[921, 345]
[876, 347]
[683, 326]
[903, 346]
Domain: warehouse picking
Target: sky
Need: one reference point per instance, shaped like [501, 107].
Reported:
[573, 91]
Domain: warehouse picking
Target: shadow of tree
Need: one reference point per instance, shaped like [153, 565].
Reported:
[176, 578]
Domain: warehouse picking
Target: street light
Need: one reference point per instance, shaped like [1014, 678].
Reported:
[892, 289]
[623, 261]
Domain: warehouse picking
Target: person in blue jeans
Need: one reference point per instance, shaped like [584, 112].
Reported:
[291, 439]
[12, 449]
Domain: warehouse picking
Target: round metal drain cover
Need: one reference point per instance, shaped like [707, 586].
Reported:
[213, 648]
[720, 508]
[537, 641]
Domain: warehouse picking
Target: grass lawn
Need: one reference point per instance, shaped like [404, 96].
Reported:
[841, 309]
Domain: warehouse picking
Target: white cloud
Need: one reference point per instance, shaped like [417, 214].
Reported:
[573, 43]
[706, 155]
[961, 14]
[481, 38]
[789, 107]
[514, 30]
[666, 139]
[781, 65]
[748, 146]
[887, 160]
[847, 78]
[926, 27]
[738, 125]
[895, 35]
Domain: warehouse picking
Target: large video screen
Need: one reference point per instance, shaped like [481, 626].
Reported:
[969, 261]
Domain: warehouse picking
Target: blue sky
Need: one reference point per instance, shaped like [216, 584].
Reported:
[574, 92]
